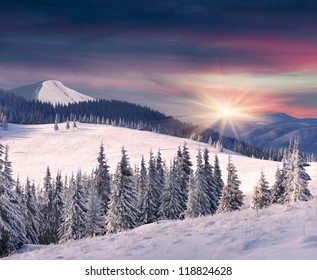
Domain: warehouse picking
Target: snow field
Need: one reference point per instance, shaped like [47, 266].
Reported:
[33, 147]
[278, 232]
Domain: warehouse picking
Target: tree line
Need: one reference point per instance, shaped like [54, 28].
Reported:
[15, 109]
[87, 205]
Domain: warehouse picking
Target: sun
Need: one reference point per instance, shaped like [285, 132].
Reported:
[226, 112]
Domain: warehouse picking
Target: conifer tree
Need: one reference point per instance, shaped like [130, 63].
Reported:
[12, 230]
[160, 169]
[57, 207]
[103, 180]
[218, 178]
[141, 186]
[183, 168]
[296, 177]
[45, 209]
[123, 213]
[232, 197]
[152, 195]
[95, 213]
[261, 197]
[211, 185]
[56, 122]
[32, 217]
[278, 189]
[198, 203]
[65, 231]
[170, 207]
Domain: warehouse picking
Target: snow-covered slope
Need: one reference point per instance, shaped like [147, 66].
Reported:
[279, 232]
[33, 147]
[51, 91]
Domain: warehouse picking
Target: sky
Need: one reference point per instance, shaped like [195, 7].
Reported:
[187, 58]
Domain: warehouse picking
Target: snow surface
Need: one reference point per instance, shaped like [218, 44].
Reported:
[279, 232]
[51, 91]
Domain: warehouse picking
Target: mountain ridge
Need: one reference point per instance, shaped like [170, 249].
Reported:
[51, 91]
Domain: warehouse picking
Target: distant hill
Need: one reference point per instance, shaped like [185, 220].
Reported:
[275, 130]
[51, 91]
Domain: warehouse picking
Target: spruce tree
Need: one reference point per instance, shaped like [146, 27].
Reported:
[95, 223]
[183, 168]
[198, 203]
[152, 195]
[57, 207]
[211, 184]
[296, 181]
[45, 205]
[56, 122]
[32, 217]
[103, 180]
[278, 189]
[123, 213]
[261, 197]
[232, 196]
[12, 230]
[171, 208]
[218, 178]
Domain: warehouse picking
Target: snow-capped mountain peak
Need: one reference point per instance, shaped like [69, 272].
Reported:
[51, 91]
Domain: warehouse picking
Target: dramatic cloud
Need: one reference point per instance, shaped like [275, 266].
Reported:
[142, 49]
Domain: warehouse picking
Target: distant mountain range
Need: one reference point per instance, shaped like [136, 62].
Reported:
[277, 129]
[51, 91]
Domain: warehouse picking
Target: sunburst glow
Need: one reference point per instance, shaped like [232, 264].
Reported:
[227, 111]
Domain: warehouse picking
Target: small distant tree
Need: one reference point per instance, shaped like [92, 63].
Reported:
[67, 124]
[56, 122]
[4, 122]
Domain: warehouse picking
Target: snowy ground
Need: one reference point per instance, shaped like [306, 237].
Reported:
[279, 232]
[34, 147]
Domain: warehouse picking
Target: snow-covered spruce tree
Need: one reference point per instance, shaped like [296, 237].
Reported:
[296, 182]
[73, 225]
[45, 207]
[218, 178]
[278, 189]
[56, 122]
[160, 169]
[211, 186]
[183, 168]
[65, 231]
[80, 208]
[102, 178]
[12, 230]
[141, 186]
[95, 223]
[232, 197]
[4, 123]
[32, 217]
[171, 208]
[152, 195]
[198, 203]
[261, 197]
[57, 207]
[67, 124]
[123, 213]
